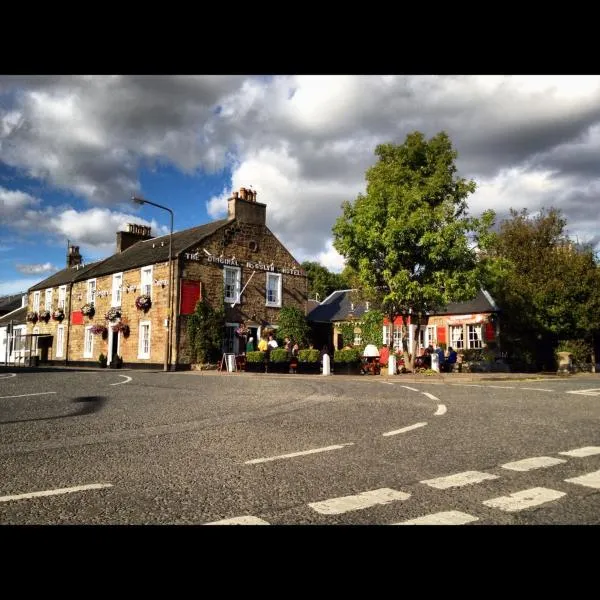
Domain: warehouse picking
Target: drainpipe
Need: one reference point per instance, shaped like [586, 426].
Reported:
[68, 317]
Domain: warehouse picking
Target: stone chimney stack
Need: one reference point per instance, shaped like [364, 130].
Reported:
[135, 233]
[73, 257]
[243, 206]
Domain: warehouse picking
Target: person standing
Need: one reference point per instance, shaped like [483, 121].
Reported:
[250, 345]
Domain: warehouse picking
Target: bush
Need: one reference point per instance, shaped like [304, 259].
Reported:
[292, 323]
[255, 357]
[204, 329]
[347, 355]
[580, 350]
[279, 355]
[311, 355]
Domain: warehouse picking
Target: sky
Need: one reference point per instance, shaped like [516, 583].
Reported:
[74, 149]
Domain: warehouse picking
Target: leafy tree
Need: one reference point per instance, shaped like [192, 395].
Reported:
[292, 323]
[205, 331]
[321, 281]
[548, 287]
[409, 238]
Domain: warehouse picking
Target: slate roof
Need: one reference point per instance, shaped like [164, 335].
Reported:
[17, 316]
[337, 307]
[144, 252]
[10, 303]
[154, 250]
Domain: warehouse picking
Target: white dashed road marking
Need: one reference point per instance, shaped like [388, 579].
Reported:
[24, 395]
[337, 506]
[590, 392]
[430, 396]
[7, 375]
[450, 517]
[502, 387]
[246, 520]
[468, 384]
[458, 480]
[255, 461]
[528, 464]
[57, 492]
[410, 388]
[585, 451]
[590, 480]
[535, 389]
[404, 429]
[525, 499]
[127, 380]
[441, 410]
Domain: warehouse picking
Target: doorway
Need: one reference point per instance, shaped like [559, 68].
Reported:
[113, 345]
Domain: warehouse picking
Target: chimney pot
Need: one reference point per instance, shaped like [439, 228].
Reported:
[243, 193]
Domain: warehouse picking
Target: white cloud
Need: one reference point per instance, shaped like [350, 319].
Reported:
[17, 286]
[36, 268]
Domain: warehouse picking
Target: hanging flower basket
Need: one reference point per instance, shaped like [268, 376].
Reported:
[44, 315]
[242, 331]
[88, 310]
[32, 317]
[143, 302]
[121, 327]
[113, 314]
[98, 329]
[58, 314]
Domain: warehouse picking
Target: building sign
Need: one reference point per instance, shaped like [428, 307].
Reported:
[77, 317]
[250, 264]
[190, 294]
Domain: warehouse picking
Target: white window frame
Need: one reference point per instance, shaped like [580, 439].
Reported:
[397, 337]
[48, 299]
[36, 301]
[431, 336]
[387, 334]
[62, 297]
[357, 337]
[146, 280]
[88, 336]
[90, 286]
[455, 342]
[238, 281]
[141, 353]
[117, 294]
[60, 341]
[279, 278]
[474, 329]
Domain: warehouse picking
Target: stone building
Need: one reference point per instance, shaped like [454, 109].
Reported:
[119, 306]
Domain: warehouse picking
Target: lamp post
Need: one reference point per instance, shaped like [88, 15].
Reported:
[139, 200]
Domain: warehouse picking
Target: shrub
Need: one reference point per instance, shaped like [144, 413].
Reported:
[311, 355]
[279, 355]
[580, 350]
[205, 328]
[347, 355]
[292, 323]
[255, 357]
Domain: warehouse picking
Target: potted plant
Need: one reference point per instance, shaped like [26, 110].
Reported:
[102, 361]
[98, 329]
[88, 310]
[121, 327]
[255, 362]
[346, 362]
[279, 361]
[32, 317]
[143, 302]
[113, 314]
[58, 314]
[44, 315]
[116, 362]
[309, 361]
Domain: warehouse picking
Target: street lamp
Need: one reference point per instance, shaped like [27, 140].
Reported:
[139, 200]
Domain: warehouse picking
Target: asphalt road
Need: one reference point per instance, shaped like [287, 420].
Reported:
[131, 447]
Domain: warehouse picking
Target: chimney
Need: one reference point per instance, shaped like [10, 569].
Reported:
[244, 208]
[73, 257]
[135, 233]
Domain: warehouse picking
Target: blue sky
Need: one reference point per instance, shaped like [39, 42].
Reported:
[73, 149]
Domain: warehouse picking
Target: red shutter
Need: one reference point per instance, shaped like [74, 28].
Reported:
[441, 334]
[490, 332]
[190, 294]
[77, 317]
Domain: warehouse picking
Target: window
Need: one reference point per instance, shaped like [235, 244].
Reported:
[397, 337]
[431, 339]
[48, 300]
[273, 289]
[116, 289]
[387, 334]
[147, 281]
[36, 301]
[357, 337]
[144, 342]
[62, 297]
[34, 342]
[456, 337]
[474, 333]
[60, 340]
[232, 277]
[88, 343]
[91, 291]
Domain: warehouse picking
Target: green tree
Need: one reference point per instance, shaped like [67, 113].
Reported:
[292, 323]
[547, 286]
[205, 331]
[321, 281]
[409, 238]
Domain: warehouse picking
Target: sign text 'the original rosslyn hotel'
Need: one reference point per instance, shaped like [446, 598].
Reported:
[119, 306]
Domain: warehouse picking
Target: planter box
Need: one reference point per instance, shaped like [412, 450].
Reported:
[283, 367]
[309, 368]
[347, 368]
[255, 367]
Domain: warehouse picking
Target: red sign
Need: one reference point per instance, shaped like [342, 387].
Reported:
[190, 294]
[441, 335]
[77, 317]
